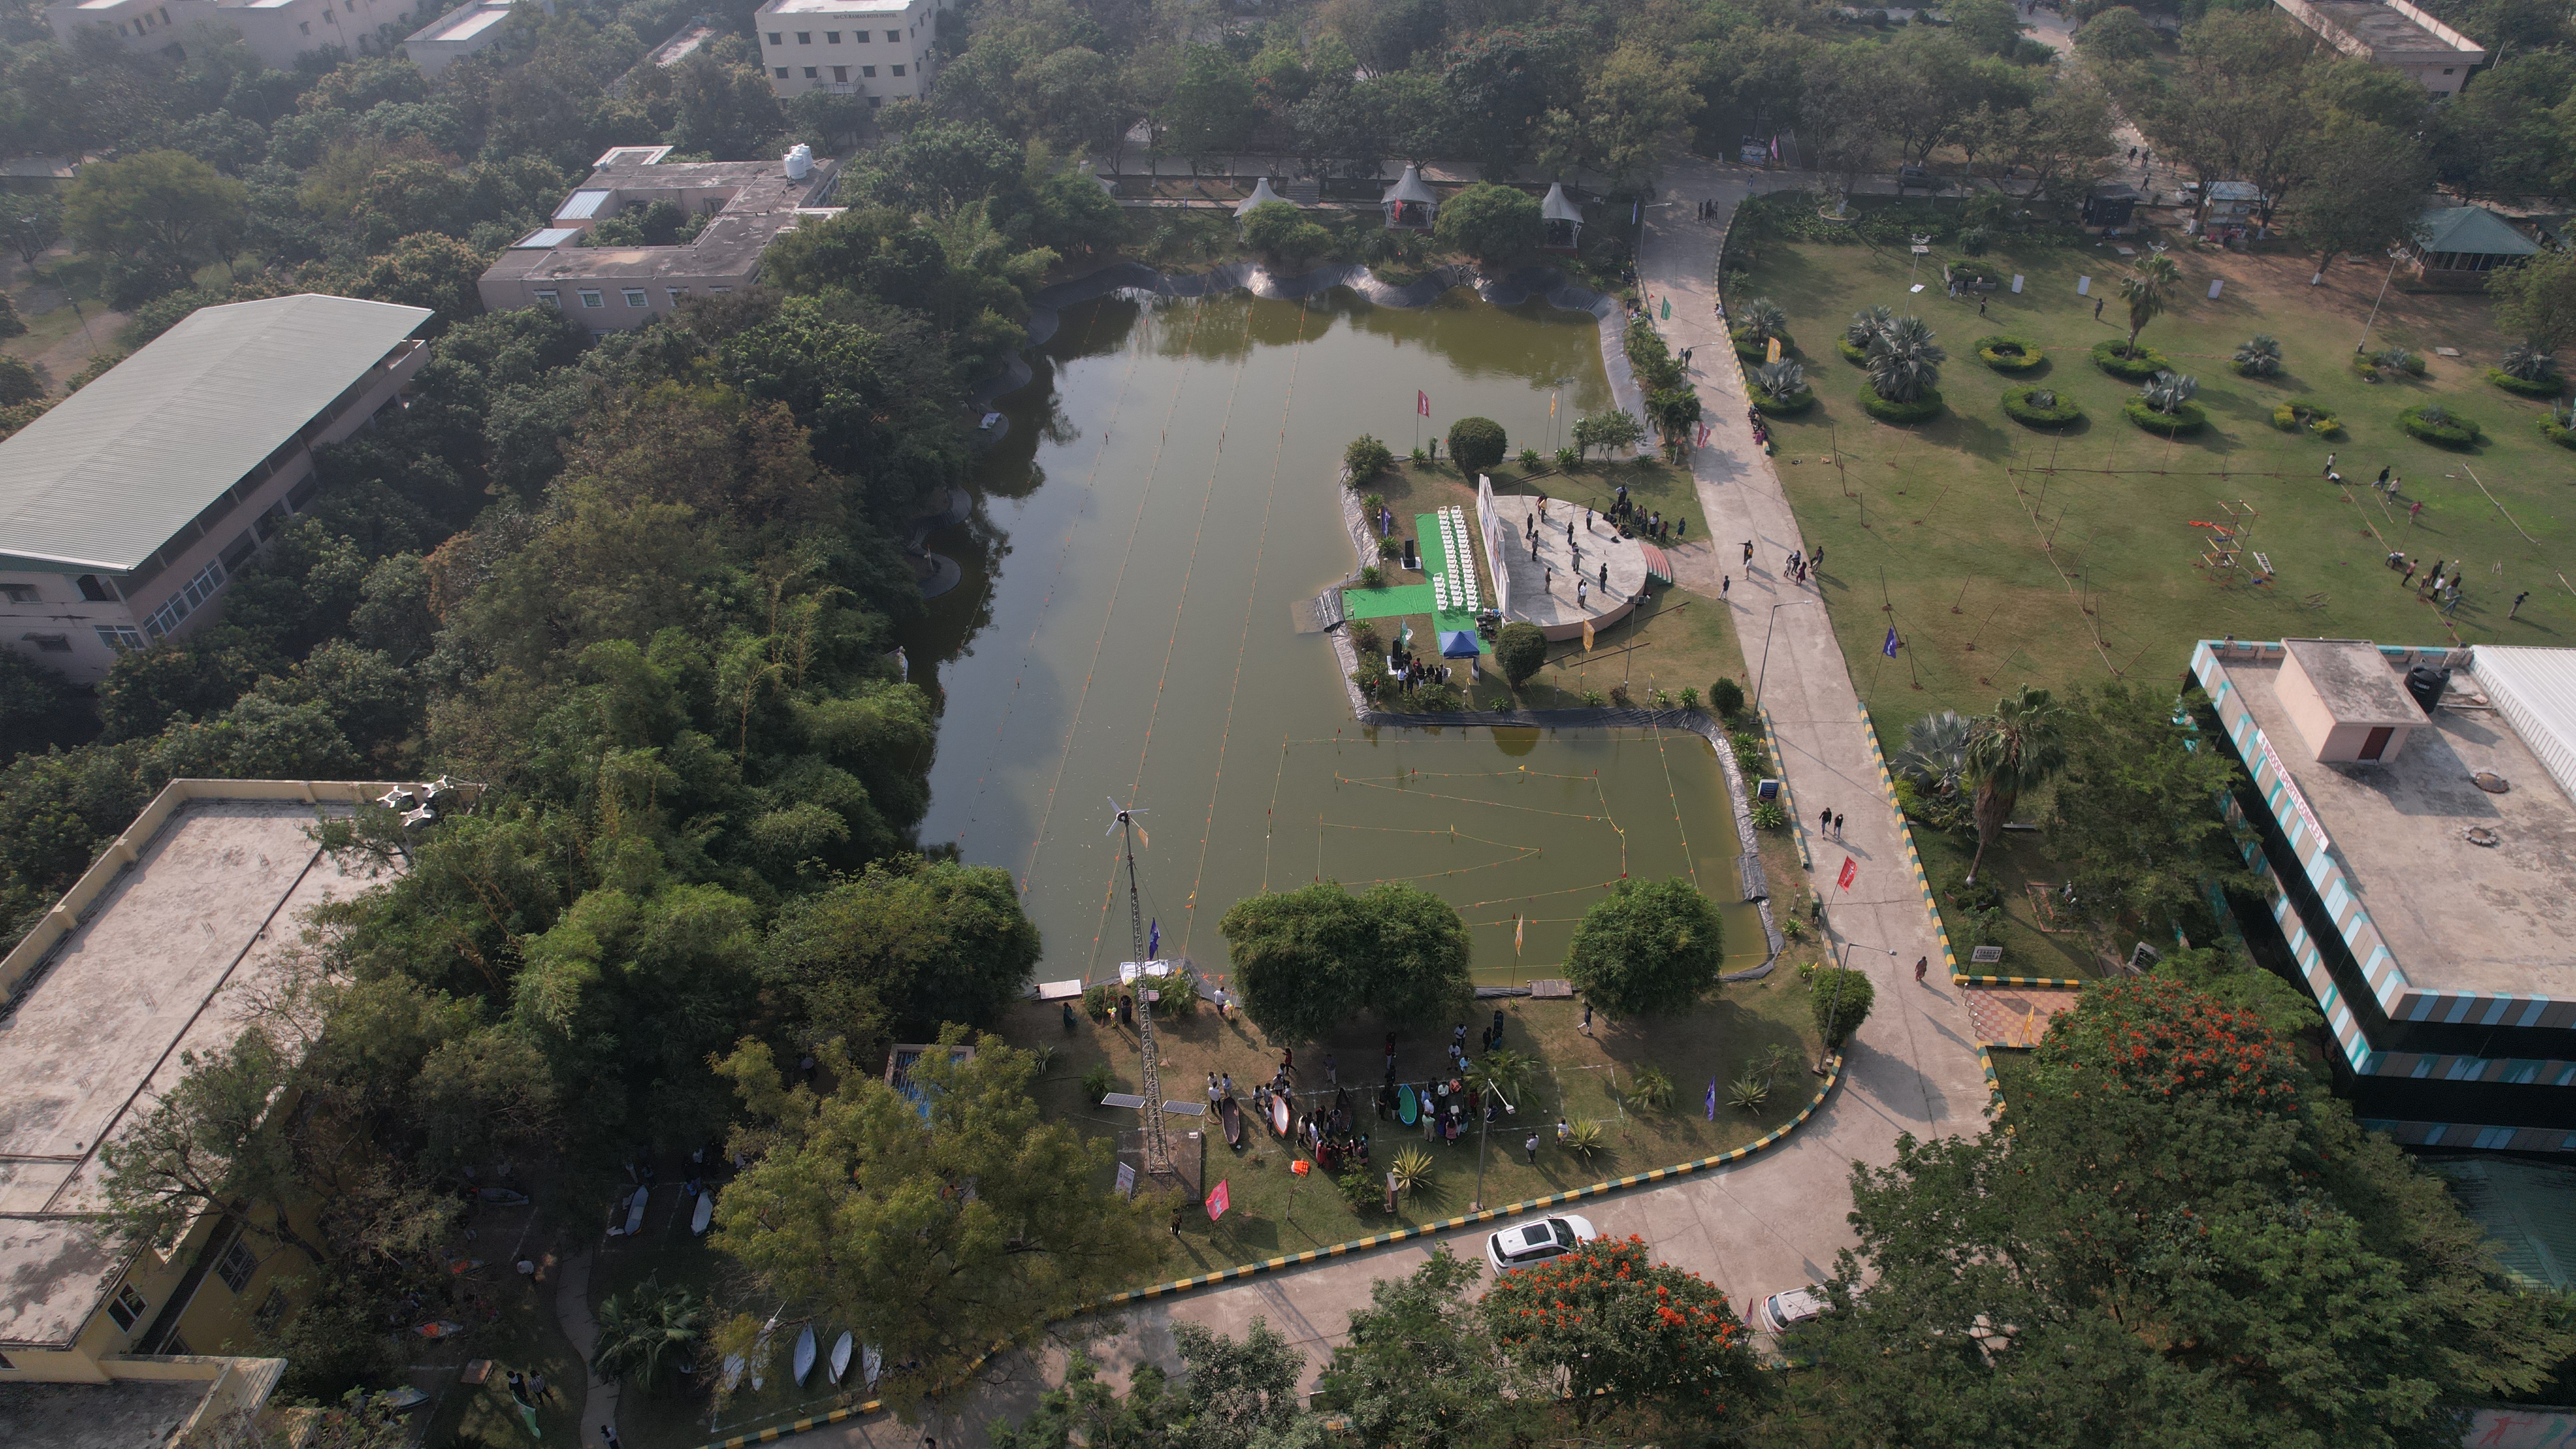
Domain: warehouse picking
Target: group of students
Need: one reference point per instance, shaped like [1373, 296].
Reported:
[1761, 434]
[1624, 513]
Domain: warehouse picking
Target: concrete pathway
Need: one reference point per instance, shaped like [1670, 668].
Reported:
[572, 1310]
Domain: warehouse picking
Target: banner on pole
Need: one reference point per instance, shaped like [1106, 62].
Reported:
[1218, 1201]
[1519, 923]
[1126, 1179]
[1888, 646]
[1422, 402]
[1849, 872]
[1587, 636]
[1712, 1099]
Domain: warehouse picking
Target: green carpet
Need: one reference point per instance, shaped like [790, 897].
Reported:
[1387, 603]
[1435, 559]
[1398, 600]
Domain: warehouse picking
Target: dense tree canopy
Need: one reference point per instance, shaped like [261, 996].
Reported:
[1307, 958]
[1648, 948]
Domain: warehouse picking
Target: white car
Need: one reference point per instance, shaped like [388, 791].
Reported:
[1786, 1310]
[1536, 1241]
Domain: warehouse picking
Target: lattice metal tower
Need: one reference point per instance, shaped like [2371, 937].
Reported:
[1157, 1157]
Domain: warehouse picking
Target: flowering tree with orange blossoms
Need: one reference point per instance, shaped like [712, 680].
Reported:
[2154, 1037]
[1617, 1329]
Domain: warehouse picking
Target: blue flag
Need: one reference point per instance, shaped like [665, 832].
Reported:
[1889, 648]
[1154, 938]
[1712, 1099]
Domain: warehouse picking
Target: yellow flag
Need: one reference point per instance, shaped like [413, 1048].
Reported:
[1516, 935]
[1772, 352]
[2030, 1028]
[1551, 406]
[1587, 636]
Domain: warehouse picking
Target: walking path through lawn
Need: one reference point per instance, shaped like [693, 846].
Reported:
[1777, 1220]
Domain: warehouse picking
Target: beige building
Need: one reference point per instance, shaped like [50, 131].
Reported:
[157, 951]
[745, 204]
[2394, 34]
[277, 31]
[126, 508]
[461, 32]
[880, 49]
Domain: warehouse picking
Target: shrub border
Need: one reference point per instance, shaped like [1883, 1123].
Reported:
[2552, 386]
[1921, 410]
[2031, 355]
[2019, 407]
[2106, 356]
[1856, 356]
[2563, 437]
[2191, 419]
[2458, 433]
[1787, 407]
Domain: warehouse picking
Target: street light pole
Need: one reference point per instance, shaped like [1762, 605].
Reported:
[1834, 1006]
[1764, 672]
[2395, 255]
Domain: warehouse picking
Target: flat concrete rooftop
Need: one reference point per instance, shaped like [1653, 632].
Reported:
[2387, 32]
[164, 965]
[133, 1414]
[2459, 917]
[764, 202]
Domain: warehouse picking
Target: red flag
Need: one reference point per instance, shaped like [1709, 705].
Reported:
[1849, 872]
[1218, 1202]
[1422, 402]
[1301, 1167]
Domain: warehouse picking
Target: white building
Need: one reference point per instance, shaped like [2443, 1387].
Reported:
[2394, 34]
[126, 508]
[277, 31]
[460, 33]
[880, 49]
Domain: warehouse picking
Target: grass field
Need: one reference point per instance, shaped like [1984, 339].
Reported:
[2006, 555]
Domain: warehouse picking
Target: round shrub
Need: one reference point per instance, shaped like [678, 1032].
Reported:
[1855, 355]
[2305, 415]
[1366, 457]
[2558, 432]
[1725, 698]
[2145, 363]
[2550, 385]
[1920, 410]
[1476, 444]
[1752, 351]
[2009, 354]
[2431, 423]
[2190, 417]
[2023, 407]
[1784, 407]
[1520, 649]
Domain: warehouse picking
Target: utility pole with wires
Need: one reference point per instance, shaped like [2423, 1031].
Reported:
[1154, 1153]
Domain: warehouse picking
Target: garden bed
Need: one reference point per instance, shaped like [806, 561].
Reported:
[1784, 407]
[2006, 353]
[1922, 409]
[2137, 366]
[2189, 417]
[2446, 431]
[2550, 386]
[2060, 411]
[2304, 415]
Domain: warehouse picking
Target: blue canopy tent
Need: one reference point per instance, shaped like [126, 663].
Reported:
[1457, 644]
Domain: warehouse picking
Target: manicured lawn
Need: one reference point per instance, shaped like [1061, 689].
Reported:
[2033, 944]
[1579, 1077]
[2000, 572]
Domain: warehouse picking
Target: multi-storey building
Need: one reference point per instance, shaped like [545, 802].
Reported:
[125, 509]
[611, 288]
[880, 49]
[277, 31]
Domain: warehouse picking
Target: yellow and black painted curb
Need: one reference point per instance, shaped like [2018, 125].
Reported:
[1788, 797]
[1913, 858]
[1994, 1084]
[1960, 979]
[1772, 1138]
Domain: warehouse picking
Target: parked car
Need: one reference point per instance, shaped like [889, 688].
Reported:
[1786, 1310]
[1915, 176]
[1536, 1241]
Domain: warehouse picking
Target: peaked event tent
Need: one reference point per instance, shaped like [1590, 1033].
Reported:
[1564, 219]
[1260, 194]
[1457, 644]
[1410, 204]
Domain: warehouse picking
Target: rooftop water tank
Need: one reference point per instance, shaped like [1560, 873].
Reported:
[800, 161]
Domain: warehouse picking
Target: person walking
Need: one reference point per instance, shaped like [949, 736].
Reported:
[1563, 1131]
[1838, 825]
[2517, 604]
[1825, 822]
[2415, 510]
[1748, 552]
[1921, 965]
[1725, 582]
[1817, 559]
[2383, 478]
[608, 1437]
[1531, 1147]
[539, 1389]
[1587, 1017]
[2330, 465]
[1981, 306]
[2097, 307]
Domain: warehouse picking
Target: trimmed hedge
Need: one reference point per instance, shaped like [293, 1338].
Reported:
[1919, 410]
[2190, 418]
[2563, 437]
[2456, 432]
[2024, 356]
[2550, 386]
[2019, 407]
[1752, 351]
[2139, 368]
[1785, 407]
[1856, 356]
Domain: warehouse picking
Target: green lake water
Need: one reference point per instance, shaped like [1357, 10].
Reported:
[1166, 493]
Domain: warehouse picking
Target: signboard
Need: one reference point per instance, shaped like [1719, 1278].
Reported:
[2298, 801]
[2016, 284]
[1850, 870]
[2084, 286]
[1126, 1179]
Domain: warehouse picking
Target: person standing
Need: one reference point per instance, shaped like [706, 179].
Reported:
[2517, 604]
[1922, 964]
[1563, 1131]
[1725, 582]
[2097, 307]
[1531, 1147]
[1581, 588]
[608, 1437]
[1748, 551]
[2330, 465]
[2415, 510]
[2383, 478]
[1587, 1016]
[539, 1389]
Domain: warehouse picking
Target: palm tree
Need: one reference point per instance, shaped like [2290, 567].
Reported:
[2167, 393]
[1866, 324]
[2530, 362]
[1904, 361]
[1782, 379]
[1498, 1073]
[2259, 356]
[1760, 320]
[2146, 290]
[642, 1326]
[1936, 751]
[2012, 750]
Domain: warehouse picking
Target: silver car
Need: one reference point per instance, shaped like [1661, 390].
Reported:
[1536, 1241]
[1785, 1310]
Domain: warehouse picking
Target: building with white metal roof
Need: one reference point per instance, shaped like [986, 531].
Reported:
[126, 507]
[2425, 861]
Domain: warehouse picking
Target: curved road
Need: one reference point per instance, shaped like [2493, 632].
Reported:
[1776, 1220]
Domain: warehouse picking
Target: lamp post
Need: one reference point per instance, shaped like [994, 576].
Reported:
[1765, 670]
[1834, 1006]
[2395, 255]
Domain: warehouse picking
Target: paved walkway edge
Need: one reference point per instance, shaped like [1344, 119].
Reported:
[1603, 1188]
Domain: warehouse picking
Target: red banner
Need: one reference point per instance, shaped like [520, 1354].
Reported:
[1849, 870]
[1218, 1202]
[1422, 402]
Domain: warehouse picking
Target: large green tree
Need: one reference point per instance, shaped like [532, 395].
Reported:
[2537, 300]
[935, 1229]
[2010, 751]
[1648, 948]
[904, 945]
[1489, 222]
[1418, 1366]
[2368, 196]
[1307, 958]
[162, 207]
[2184, 1239]
[2135, 814]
